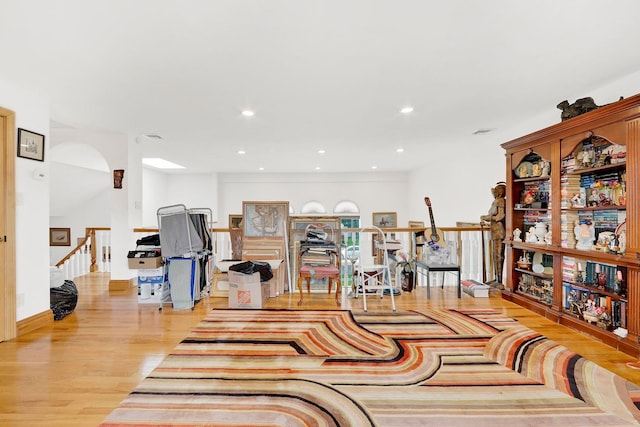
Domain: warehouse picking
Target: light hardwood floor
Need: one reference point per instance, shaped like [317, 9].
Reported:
[75, 371]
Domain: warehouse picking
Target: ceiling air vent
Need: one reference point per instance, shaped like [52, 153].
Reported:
[150, 138]
[482, 131]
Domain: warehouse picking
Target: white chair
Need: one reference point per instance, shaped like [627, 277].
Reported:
[374, 277]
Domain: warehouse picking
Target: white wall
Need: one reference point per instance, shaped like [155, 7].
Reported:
[458, 181]
[32, 205]
[162, 189]
[372, 192]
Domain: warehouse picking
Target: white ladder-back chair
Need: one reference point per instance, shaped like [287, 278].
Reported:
[373, 276]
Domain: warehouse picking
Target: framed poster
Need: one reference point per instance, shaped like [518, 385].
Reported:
[385, 219]
[30, 145]
[265, 219]
[59, 237]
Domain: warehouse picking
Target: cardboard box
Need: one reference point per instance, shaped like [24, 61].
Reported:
[144, 259]
[246, 290]
[151, 283]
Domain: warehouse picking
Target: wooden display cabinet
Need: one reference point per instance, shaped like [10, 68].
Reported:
[572, 249]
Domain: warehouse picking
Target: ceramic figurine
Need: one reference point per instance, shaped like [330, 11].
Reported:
[579, 200]
[516, 235]
[540, 231]
[585, 235]
[530, 236]
[546, 168]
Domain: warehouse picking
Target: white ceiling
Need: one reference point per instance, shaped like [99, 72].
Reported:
[330, 74]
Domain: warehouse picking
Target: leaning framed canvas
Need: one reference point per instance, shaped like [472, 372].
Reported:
[59, 237]
[265, 219]
[30, 145]
[385, 219]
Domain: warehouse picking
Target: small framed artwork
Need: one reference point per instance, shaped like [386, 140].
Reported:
[235, 221]
[416, 224]
[30, 145]
[385, 219]
[265, 219]
[59, 237]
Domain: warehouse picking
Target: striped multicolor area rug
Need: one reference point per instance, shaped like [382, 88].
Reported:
[338, 368]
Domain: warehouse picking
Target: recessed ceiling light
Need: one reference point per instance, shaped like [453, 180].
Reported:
[374, 167]
[317, 168]
[248, 113]
[407, 110]
[399, 150]
[159, 163]
[321, 151]
[241, 152]
[260, 168]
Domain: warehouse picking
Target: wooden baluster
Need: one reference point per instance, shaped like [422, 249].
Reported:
[91, 234]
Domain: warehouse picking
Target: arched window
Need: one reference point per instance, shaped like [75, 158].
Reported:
[313, 207]
[346, 207]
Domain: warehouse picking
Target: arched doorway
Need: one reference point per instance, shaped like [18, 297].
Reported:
[80, 180]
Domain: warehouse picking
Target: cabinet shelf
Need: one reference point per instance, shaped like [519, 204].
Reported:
[532, 209]
[596, 208]
[533, 273]
[616, 166]
[532, 178]
[596, 289]
[622, 260]
[609, 134]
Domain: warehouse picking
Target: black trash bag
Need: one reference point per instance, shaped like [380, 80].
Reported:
[63, 299]
[153, 240]
[250, 267]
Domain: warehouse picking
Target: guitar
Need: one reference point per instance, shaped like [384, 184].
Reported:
[437, 236]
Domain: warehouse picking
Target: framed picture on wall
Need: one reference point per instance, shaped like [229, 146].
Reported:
[265, 219]
[30, 145]
[235, 221]
[385, 219]
[59, 237]
[416, 224]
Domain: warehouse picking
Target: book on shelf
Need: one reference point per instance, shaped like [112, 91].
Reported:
[568, 269]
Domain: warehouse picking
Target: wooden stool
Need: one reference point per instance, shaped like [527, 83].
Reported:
[332, 273]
